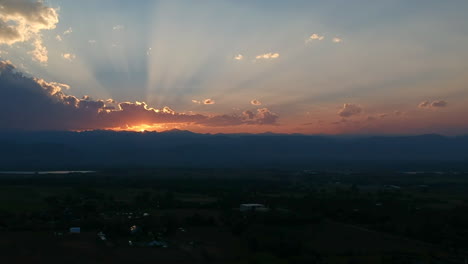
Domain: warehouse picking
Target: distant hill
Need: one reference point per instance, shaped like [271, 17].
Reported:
[177, 148]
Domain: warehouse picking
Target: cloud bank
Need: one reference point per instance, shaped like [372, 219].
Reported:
[29, 103]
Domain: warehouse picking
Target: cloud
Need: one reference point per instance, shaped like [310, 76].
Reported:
[68, 31]
[208, 101]
[255, 102]
[239, 57]
[29, 103]
[58, 37]
[350, 110]
[118, 27]
[424, 104]
[267, 56]
[262, 116]
[22, 21]
[439, 103]
[196, 101]
[434, 104]
[315, 37]
[69, 56]
[337, 40]
[91, 41]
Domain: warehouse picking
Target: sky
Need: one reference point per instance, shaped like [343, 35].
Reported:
[234, 66]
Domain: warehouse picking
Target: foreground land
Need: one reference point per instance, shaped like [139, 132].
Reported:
[193, 216]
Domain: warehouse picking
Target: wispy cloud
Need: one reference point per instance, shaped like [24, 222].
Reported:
[267, 56]
[433, 104]
[68, 31]
[349, 110]
[118, 27]
[239, 57]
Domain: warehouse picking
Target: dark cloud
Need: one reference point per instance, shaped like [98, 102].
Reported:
[439, 103]
[349, 110]
[28, 103]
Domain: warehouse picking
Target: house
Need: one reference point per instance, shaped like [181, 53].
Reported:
[253, 207]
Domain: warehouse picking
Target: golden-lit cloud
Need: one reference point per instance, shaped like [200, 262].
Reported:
[69, 56]
[267, 56]
[22, 21]
[208, 101]
[255, 102]
[239, 57]
[315, 37]
[349, 110]
[337, 40]
[196, 101]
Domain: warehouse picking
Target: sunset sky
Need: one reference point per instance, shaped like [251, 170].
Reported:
[311, 67]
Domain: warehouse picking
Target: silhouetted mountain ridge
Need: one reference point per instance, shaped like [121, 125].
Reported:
[179, 148]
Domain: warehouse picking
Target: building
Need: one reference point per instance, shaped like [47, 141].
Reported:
[253, 207]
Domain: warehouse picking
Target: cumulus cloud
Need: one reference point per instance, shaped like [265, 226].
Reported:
[35, 104]
[23, 20]
[255, 102]
[69, 56]
[208, 101]
[433, 104]
[350, 110]
[337, 40]
[239, 57]
[267, 56]
[315, 37]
